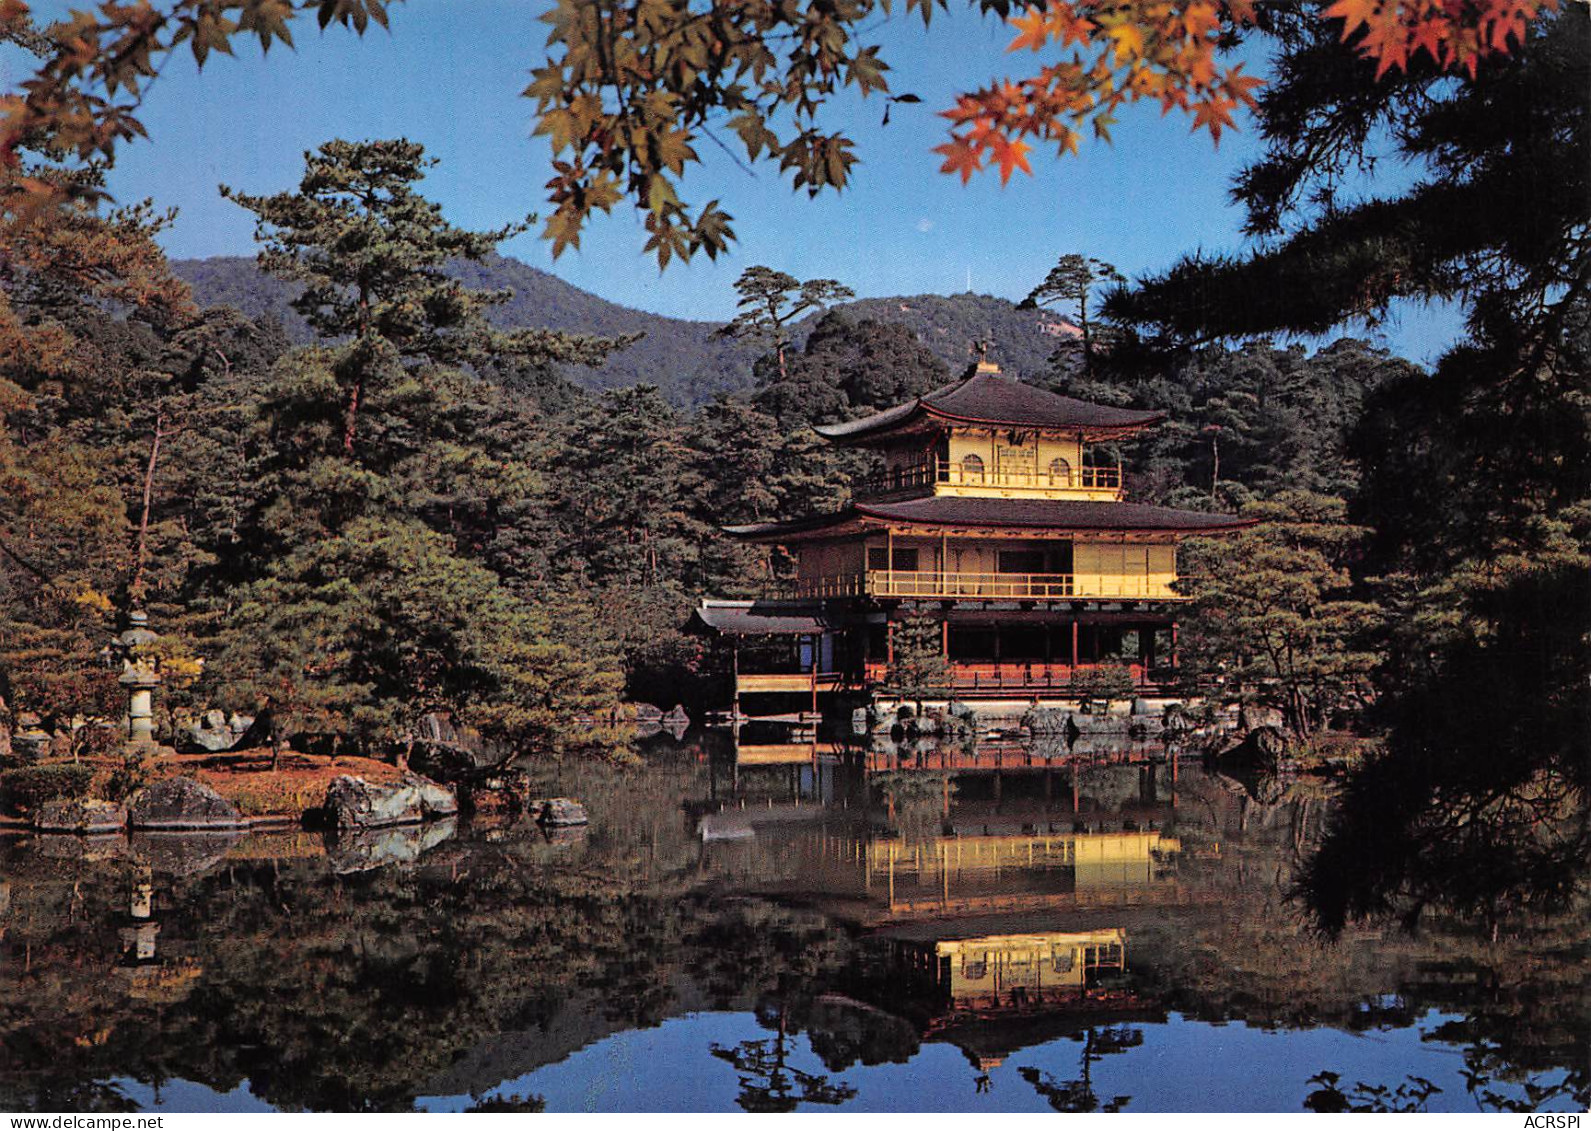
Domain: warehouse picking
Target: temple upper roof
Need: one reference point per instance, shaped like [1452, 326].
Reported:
[988, 397]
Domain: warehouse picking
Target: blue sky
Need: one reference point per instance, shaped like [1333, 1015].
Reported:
[449, 75]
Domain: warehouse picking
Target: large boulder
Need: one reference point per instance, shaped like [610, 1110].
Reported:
[557, 812]
[208, 733]
[436, 801]
[1264, 750]
[80, 815]
[1051, 721]
[354, 803]
[182, 804]
[447, 752]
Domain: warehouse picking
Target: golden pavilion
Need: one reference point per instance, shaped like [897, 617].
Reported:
[996, 512]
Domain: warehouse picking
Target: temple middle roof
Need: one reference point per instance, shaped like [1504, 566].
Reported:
[988, 397]
[1024, 514]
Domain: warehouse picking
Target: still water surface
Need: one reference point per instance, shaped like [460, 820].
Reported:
[857, 932]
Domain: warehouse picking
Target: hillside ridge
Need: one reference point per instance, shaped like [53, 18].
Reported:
[685, 358]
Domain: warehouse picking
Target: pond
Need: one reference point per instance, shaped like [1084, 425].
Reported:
[778, 927]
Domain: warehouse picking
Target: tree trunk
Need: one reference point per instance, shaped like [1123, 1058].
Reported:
[351, 424]
[351, 421]
[5, 731]
[141, 556]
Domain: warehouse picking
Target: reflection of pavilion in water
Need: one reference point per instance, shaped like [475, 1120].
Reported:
[822, 820]
[1020, 871]
[880, 878]
[775, 769]
[991, 972]
[993, 994]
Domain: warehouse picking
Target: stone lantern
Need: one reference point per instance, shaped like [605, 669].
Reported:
[140, 679]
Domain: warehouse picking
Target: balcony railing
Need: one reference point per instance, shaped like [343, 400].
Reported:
[1027, 675]
[957, 474]
[989, 586]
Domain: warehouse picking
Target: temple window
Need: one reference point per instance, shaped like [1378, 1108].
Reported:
[906, 558]
[1021, 561]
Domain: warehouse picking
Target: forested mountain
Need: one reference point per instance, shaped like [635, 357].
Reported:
[685, 359]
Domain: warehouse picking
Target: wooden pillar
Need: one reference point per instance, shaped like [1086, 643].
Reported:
[1074, 646]
[944, 638]
[1173, 644]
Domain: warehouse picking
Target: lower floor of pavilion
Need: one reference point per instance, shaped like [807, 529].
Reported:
[992, 651]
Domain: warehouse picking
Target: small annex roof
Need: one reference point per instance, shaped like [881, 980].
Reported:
[759, 618]
[1024, 514]
[987, 396]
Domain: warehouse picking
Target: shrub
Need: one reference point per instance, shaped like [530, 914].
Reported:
[1105, 682]
[128, 778]
[31, 786]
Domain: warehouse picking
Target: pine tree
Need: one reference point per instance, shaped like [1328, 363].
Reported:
[382, 570]
[770, 301]
[918, 668]
[1273, 610]
[369, 251]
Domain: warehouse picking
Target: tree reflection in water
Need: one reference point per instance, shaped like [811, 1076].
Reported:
[769, 1082]
[1078, 1095]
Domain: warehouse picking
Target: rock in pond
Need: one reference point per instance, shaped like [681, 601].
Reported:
[1050, 720]
[354, 803]
[436, 801]
[80, 815]
[182, 804]
[557, 811]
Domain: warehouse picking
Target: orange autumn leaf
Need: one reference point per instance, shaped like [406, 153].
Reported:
[959, 158]
[1035, 30]
[1010, 156]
